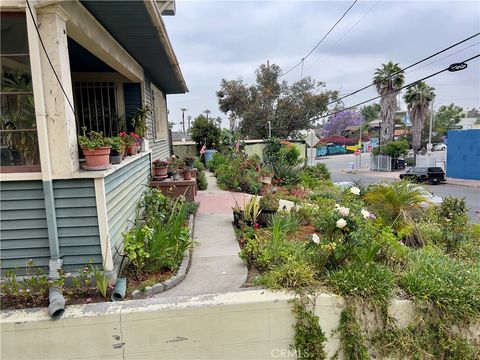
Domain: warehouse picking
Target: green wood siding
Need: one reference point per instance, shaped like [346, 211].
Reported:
[23, 225]
[123, 190]
[160, 148]
[24, 233]
[77, 223]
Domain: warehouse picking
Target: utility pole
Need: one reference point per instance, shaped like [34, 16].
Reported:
[269, 129]
[189, 120]
[183, 118]
[429, 146]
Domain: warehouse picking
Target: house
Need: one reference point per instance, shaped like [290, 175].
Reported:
[68, 65]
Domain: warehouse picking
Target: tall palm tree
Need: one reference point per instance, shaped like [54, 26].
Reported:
[418, 99]
[387, 80]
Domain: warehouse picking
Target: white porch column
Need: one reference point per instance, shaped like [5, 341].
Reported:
[61, 127]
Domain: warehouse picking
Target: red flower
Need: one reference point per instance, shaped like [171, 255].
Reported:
[255, 226]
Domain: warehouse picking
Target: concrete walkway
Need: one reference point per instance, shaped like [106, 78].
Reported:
[216, 266]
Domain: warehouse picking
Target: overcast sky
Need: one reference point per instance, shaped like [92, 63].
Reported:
[230, 39]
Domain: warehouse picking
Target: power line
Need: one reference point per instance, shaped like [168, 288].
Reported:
[346, 32]
[405, 68]
[321, 40]
[48, 57]
[397, 90]
[444, 57]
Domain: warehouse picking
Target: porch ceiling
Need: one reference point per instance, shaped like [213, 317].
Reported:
[130, 24]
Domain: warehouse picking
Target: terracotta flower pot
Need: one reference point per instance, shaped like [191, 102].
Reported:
[160, 171]
[187, 174]
[123, 151]
[97, 157]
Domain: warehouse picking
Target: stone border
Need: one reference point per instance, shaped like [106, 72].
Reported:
[174, 280]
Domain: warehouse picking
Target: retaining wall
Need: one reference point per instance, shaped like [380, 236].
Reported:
[251, 324]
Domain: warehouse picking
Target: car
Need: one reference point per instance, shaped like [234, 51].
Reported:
[439, 147]
[433, 175]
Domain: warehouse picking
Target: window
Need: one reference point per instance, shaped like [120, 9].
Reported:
[18, 131]
[160, 122]
[96, 107]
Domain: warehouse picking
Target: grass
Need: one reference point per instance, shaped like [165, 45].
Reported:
[451, 285]
[369, 281]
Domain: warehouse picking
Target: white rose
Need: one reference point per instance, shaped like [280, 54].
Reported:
[355, 190]
[315, 239]
[344, 211]
[341, 223]
[365, 214]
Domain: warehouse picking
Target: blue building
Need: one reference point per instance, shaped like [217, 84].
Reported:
[463, 154]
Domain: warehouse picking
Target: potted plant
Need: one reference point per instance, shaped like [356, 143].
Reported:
[117, 144]
[160, 168]
[139, 121]
[96, 150]
[251, 210]
[266, 173]
[189, 161]
[175, 165]
[269, 206]
[130, 142]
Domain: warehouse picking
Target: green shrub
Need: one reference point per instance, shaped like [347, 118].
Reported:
[431, 233]
[448, 284]
[318, 171]
[202, 182]
[395, 149]
[426, 339]
[369, 281]
[293, 274]
[453, 220]
[218, 159]
[286, 174]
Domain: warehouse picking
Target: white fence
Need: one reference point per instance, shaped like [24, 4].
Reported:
[428, 160]
[381, 163]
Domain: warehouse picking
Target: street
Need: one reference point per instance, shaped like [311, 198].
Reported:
[339, 165]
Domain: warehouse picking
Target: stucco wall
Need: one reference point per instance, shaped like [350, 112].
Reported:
[252, 324]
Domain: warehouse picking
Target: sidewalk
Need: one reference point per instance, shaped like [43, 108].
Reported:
[396, 175]
[216, 266]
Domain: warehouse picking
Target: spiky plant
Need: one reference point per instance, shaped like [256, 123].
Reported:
[395, 204]
[418, 99]
[387, 79]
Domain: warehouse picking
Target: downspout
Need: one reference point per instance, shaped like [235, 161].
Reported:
[55, 263]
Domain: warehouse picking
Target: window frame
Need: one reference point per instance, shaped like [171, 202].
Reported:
[22, 168]
[155, 113]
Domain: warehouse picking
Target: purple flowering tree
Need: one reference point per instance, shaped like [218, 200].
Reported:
[341, 120]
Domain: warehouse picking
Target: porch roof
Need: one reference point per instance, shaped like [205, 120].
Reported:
[142, 33]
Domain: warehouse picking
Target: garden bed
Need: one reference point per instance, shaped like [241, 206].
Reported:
[157, 249]
[369, 245]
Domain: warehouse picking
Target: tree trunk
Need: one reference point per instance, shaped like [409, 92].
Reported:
[418, 120]
[388, 106]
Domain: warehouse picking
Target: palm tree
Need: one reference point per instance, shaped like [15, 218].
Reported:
[418, 99]
[387, 79]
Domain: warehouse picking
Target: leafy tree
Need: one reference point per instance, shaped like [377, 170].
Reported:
[370, 112]
[387, 79]
[205, 132]
[341, 120]
[418, 99]
[447, 117]
[289, 108]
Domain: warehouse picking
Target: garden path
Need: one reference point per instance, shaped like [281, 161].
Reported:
[216, 266]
